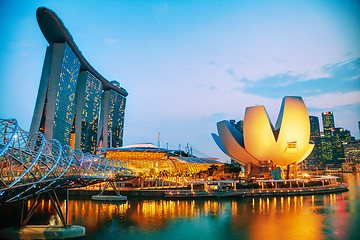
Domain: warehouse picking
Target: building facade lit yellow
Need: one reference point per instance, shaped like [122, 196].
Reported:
[151, 159]
[288, 142]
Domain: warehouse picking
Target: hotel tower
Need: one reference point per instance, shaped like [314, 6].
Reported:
[75, 104]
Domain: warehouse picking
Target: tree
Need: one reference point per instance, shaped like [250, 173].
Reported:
[142, 177]
[212, 169]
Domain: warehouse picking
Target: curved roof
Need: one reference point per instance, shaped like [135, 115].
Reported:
[288, 143]
[55, 31]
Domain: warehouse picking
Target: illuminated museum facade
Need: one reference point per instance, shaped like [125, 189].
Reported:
[151, 159]
[285, 144]
[75, 104]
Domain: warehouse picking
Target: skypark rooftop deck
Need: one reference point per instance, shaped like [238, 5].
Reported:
[55, 31]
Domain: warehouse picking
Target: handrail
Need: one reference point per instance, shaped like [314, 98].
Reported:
[28, 159]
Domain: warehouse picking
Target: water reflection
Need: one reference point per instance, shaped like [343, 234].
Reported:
[334, 216]
[306, 217]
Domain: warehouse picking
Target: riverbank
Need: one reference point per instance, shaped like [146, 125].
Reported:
[181, 193]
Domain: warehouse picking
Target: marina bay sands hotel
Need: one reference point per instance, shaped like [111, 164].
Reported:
[75, 104]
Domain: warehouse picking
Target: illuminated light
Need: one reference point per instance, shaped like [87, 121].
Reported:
[293, 123]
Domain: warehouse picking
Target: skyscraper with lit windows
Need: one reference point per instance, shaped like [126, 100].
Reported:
[54, 109]
[72, 94]
[326, 139]
[314, 160]
[88, 99]
[112, 119]
[328, 123]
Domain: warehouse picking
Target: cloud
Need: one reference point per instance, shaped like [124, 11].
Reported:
[313, 75]
[212, 62]
[111, 41]
[332, 78]
[332, 100]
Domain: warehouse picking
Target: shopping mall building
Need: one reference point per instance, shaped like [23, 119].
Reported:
[151, 159]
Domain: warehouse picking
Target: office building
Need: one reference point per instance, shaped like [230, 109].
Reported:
[326, 149]
[352, 151]
[314, 160]
[237, 125]
[328, 123]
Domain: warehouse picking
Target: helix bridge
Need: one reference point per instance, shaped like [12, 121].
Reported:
[31, 166]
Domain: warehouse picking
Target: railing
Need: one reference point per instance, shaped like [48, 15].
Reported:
[336, 187]
[31, 164]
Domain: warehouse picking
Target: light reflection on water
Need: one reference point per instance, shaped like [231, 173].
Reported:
[330, 216]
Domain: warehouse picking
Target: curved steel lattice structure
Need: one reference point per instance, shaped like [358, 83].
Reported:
[31, 164]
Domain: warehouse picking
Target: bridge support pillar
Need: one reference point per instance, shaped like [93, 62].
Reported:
[43, 231]
[116, 197]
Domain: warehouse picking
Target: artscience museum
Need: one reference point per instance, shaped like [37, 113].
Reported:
[288, 143]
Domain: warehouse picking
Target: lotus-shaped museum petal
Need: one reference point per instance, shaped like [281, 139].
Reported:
[286, 143]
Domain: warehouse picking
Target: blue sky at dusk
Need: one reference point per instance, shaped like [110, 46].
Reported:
[189, 64]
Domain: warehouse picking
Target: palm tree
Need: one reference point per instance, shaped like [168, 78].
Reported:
[213, 168]
[163, 174]
[142, 177]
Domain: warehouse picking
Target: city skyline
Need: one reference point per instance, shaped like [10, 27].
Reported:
[187, 66]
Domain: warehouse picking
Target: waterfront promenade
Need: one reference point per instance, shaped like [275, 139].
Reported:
[333, 187]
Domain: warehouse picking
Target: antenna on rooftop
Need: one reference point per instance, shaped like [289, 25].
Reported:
[159, 141]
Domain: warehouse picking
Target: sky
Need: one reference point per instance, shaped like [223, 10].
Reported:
[190, 64]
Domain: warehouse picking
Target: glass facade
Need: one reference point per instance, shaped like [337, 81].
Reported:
[43, 118]
[116, 119]
[155, 161]
[326, 149]
[75, 116]
[65, 105]
[352, 151]
[238, 125]
[328, 123]
[339, 137]
[89, 96]
[314, 160]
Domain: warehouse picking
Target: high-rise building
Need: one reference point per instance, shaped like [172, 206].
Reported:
[237, 125]
[337, 144]
[326, 149]
[352, 151]
[328, 123]
[88, 98]
[112, 119]
[55, 106]
[314, 127]
[314, 160]
[71, 93]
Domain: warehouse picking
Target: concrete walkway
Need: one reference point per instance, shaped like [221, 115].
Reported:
[42, 232]
[271, 192]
